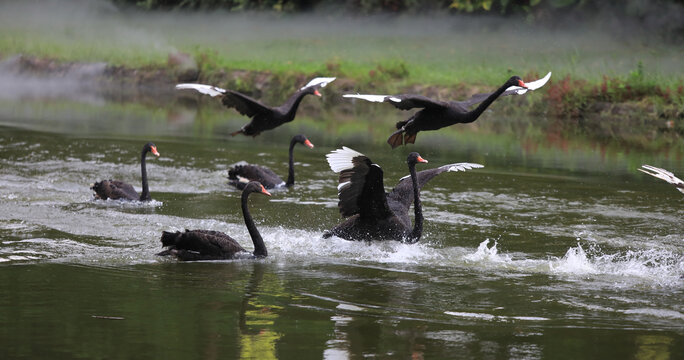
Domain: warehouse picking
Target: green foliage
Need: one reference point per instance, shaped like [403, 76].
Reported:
[391, 70]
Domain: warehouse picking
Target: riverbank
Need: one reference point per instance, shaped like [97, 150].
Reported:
[631, 111]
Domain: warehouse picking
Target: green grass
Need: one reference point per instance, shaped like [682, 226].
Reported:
[443, 51]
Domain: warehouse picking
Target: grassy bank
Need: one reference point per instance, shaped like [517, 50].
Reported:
[603, 86]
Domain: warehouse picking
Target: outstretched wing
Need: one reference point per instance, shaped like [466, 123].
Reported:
[360, 189]
[403, 192]
[403, 102]
[513, 90]
[244, 104]
[663, 174]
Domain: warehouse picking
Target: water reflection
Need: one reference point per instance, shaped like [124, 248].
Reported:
[653, 347]
[533, 142]
[258, 337]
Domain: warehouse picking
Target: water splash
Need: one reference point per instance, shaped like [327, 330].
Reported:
[653, 267]
[575, 261]
[487, 254]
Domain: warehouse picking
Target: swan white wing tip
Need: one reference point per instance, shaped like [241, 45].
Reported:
[322, 81]
[341, 159]
[456, 167]
[662, 174]
[532, 85]
[372, 98]
[204, 89]
[462, 166]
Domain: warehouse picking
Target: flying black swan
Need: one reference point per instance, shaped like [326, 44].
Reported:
[263, 117]
[663, 175]
[372, 213]
[119, 190]
[437, 114]
[240, 175]
[193, 245]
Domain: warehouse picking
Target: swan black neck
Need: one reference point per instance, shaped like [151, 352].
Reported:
[291, 105]
[290, 171]
[145, 195]
[259, 246]
[473, 115]
[417, 231]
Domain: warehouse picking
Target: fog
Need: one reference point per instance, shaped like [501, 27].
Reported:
[95, 30]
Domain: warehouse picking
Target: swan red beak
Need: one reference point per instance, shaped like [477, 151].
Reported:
[420, 159]
[264, 191]
[308, 143]
[522, 84]
[317, 93]
[154, 150]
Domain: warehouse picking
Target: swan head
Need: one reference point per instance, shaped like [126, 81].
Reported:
[302, 139]
[255, 186]
[516, 81]
[414, 158]
[151, 147]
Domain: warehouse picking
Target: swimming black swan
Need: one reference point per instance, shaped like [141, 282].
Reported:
[194, 245]
[240, 175]
[119, 190]
[263, 117]
[663, 175]
[437, 114]
[364, 201]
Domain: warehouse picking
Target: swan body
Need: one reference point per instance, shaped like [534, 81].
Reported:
[193, 245]
[119, 190]
[263, 117]
[240, 174]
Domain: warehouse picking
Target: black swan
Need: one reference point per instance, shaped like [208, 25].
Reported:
[437, 114]
[663, 174]
[240, 175]
[194, 245]
[119, 190]
[263, 117]
[382, 216]
[364, 201]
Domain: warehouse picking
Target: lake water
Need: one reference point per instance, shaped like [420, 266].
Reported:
[556, 249]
